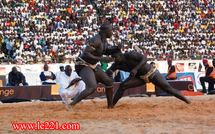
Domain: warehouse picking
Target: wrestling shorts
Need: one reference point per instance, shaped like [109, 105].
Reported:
[151, 73]
[80, 63]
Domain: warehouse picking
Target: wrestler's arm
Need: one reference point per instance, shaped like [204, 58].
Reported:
[141, 59]
[113, 68]
[113, 49]
[89, 49]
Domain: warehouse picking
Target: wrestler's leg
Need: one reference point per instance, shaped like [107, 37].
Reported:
[161, 82]
[102, 77]
[128, 83]
[88, 76]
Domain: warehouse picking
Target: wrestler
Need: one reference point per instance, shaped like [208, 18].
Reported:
[87, 69]
[140, 73]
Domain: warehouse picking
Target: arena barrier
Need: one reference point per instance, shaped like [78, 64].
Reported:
[2, 80]
[186, 70]
[51, 91]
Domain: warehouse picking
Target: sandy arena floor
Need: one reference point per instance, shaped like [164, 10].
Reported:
[141, 115]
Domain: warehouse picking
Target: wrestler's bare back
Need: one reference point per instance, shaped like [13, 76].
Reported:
[132, 60]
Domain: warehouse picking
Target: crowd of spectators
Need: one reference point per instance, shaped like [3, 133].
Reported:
[38, 31]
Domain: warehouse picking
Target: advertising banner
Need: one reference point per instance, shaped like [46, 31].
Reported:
[2, 71]
[197, 77]
[185, 77]
[179, 67]
[192, 66]
[51, 91]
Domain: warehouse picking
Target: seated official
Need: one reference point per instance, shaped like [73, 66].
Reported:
[171, 74]
[209, 77]
[16, 78]
[70, 84]
[47, 77]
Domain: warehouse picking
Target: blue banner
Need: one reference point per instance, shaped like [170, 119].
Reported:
[185, 77]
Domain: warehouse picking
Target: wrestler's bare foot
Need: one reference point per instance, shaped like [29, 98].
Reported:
[110, 106]
[188, 102]
[69, 108]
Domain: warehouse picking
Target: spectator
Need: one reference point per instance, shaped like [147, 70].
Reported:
[16, 78]
[47, 77]
[70, 84]
[2, 55]
[61, 67]
[186, 25]
[213, 62]
[67, 58]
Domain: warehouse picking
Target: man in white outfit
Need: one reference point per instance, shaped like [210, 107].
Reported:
[70, 84]
[61, 67]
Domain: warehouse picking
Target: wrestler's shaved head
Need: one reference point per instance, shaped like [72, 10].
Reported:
[118, 55]
[117, 51]
[106, 29]
[105, 26]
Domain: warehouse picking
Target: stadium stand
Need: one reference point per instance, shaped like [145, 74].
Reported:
[55, 31]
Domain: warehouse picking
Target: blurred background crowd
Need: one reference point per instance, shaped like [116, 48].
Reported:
[56, 31]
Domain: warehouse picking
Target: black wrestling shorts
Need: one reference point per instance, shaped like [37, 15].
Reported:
[78, 68]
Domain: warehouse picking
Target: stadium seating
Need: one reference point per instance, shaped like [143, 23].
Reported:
[37, 31]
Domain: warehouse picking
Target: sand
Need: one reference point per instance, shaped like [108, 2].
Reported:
[136, 115]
